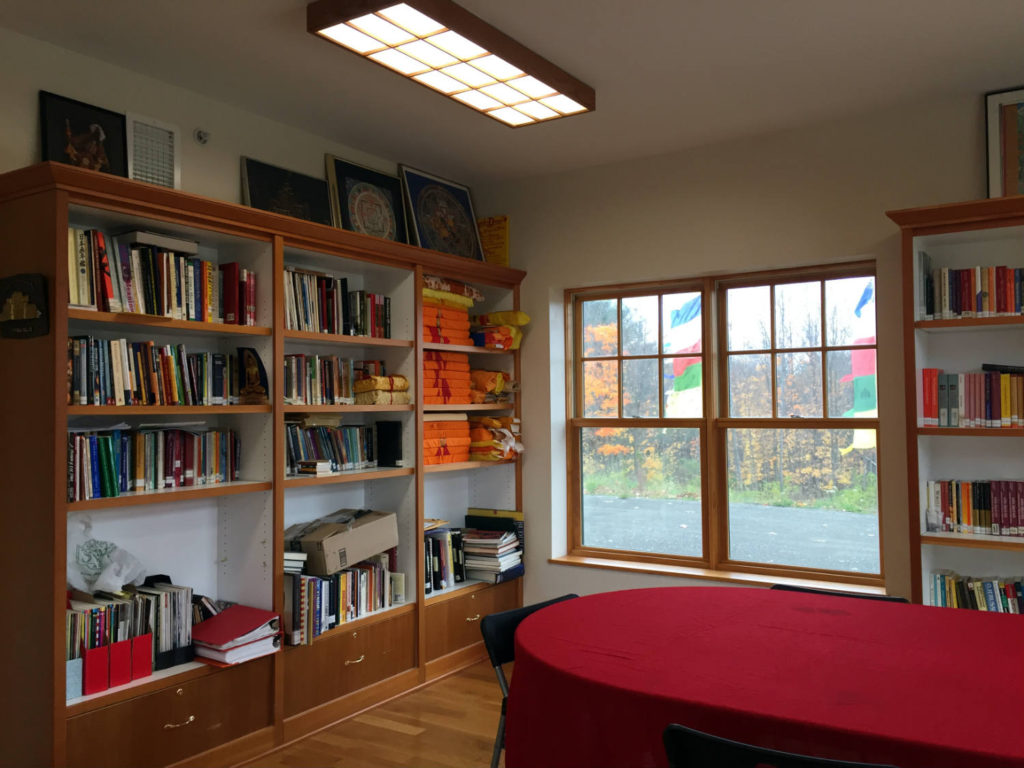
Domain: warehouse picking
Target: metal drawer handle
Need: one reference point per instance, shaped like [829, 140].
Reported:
[349, 661]
[170, 726]
[474, 618]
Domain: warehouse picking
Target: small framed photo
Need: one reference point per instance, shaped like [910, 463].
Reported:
[364, 200]
[277, 190]
[441, 213]
[1004, 123]
[82, 135]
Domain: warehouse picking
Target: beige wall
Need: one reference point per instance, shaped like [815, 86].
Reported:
[212, 169]
[809, 196]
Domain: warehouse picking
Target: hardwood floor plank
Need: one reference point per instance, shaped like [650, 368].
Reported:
[448, 724]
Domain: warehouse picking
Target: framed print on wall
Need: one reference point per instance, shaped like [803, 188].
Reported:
[441, 214]
[364, 200]
[277, 190]
[1004, 122]
[82, 135]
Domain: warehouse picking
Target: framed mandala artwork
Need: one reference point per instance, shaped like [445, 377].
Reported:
[441, 213]
[364, 200]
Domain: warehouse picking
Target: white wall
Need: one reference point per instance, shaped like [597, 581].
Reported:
[807, 196]
[803, 197]
[213, 169]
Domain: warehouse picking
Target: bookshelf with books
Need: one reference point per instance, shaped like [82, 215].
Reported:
[238, 467]
[459, 389]
[964, 352]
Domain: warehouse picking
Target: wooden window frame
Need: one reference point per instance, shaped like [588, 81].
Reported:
[713, 425]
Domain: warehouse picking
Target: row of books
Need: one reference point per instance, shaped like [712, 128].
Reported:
[318, 380]
[991, 398]
[149, 273]
[994, 507]
[323, 448]
[489, 548]
[948, 293]
[122, 372]
[315, 604]
[985, 593]
[107, 463]
[320, 303]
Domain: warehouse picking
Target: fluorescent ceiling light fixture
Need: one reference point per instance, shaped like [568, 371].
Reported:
[449, 50]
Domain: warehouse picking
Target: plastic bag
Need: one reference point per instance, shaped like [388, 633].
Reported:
[98, 566]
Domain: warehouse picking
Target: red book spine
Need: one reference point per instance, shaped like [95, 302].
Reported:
[229, 282]
[106, 286]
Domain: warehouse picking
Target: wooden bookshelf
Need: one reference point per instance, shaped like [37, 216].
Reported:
[985, 233]
[223, 539]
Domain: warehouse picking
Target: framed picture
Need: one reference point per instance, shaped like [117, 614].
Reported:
[277, 190]
[441, 214]
[82, 135]
[365, 200]
[1004, 122]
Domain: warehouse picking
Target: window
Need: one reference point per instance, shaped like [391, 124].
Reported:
[752, 448]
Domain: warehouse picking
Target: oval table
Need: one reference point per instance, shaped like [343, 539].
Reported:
[598, 678]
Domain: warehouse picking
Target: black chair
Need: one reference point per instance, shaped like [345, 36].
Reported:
[687, 748]
[499, 630]
[837, 593]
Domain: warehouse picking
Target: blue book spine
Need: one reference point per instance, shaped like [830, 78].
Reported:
[94, 461]
[990, 596]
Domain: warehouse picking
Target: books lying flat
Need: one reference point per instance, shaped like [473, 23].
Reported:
[235, 626]
[239, 653]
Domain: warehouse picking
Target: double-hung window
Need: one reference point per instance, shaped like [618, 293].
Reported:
[728, 423]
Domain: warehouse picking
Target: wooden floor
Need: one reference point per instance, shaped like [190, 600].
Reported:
[448, 724]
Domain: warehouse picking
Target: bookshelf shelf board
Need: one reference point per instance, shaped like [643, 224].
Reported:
[464, 348]
[969, 323]
[351, 476]
[977, 541]
[459, 407]
[163, 495]
[180, 674]
[970, 432]
[156, 410]
[461, 465]
[348, 408]
[338, 338]
[134, 320]
[362, 622]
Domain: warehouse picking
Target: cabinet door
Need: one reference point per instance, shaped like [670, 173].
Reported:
[169, 725]
[347, 660]
[455, 623]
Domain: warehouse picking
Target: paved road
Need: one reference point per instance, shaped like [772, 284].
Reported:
[823, 538]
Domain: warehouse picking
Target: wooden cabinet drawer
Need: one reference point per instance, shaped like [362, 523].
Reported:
[348, 659]
[171, 724]
[455, 623]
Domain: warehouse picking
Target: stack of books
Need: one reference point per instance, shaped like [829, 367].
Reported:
[492, 556]
[294, 562]
[236, 634]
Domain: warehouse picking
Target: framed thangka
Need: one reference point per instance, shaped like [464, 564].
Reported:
[442, 214]
[364, 200]
[1004, 120]
[278, 190]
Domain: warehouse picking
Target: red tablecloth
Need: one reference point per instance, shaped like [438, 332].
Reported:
[597, 679]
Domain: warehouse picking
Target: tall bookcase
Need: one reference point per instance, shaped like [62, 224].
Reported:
[960, 236]
[224, 540]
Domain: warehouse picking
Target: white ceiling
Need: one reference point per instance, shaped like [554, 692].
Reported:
[669, 74]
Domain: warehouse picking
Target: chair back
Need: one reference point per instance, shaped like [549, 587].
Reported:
[499, 629]
[688, 748]
[838, 593]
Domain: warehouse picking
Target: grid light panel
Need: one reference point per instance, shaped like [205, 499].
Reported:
[414, 45]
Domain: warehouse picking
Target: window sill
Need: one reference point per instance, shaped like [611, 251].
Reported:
[707, 574]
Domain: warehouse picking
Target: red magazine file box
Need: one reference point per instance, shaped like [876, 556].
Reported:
[142, 656]
[95, 669]
[120, 662]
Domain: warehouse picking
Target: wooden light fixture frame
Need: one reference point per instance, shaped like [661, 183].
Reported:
[323, 14]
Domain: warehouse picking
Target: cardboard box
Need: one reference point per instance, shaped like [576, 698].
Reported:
[339, 541]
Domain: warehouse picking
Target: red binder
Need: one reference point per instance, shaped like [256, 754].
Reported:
[95, 669]
[120, 662]
[235, 625]
[142, 656]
